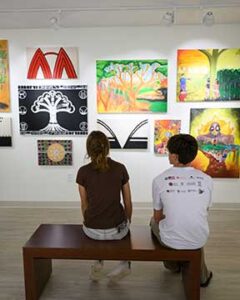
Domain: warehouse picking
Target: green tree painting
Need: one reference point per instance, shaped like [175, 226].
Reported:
[132, 86]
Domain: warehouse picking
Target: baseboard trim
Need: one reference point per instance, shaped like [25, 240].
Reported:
[74, 204]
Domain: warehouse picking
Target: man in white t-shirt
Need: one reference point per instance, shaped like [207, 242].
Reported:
[181, 198]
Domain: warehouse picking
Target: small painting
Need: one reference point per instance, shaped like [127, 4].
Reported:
[163, 130]
[54, 152]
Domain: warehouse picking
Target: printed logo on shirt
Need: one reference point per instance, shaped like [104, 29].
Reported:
[170, 178]
[170, 191]
[173, 183]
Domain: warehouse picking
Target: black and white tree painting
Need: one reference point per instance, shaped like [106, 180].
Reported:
[53, 110]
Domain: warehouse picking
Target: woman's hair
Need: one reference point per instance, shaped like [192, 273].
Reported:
[98, 149]
[185, 146]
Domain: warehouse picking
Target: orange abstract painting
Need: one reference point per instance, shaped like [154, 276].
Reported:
[4, 77]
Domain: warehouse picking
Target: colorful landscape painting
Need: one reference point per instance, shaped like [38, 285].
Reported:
[163, 130]
[218, 134]
[208, 75]
[132, 86]
[4, 77]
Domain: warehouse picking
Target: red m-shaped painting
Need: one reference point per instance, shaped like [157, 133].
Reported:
[54, 63]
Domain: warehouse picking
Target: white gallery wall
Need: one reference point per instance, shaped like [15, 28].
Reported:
[21, 179]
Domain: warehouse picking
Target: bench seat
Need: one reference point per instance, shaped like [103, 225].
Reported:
[65, 241]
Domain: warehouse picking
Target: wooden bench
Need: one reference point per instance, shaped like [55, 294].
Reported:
[69, 242]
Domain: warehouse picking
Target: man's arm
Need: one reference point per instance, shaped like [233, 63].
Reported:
[126, 192]
[158, 215]
[83, 198]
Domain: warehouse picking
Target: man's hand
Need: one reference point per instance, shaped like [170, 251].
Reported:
[158, 215]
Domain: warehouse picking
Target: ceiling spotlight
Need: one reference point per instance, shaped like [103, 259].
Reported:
[55, 20]
[168, 18]
[54, 23]
[208, 18]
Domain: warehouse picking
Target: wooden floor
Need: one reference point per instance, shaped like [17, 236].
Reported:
[149, 280]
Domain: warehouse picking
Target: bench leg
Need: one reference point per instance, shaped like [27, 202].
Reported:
[191, 280]
[37, 271]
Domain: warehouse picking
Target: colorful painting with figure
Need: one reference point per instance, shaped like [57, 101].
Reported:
[4, 77]
[125, 134]
[54, 152]
[52, 63]
[53, 110]
[218, 134]
[132, 86]
[163, 130]
[208, 75]
[5, 132]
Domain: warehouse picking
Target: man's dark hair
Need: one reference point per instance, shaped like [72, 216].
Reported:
[185, 146]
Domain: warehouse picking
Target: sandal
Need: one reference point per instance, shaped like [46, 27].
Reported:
[206, 283]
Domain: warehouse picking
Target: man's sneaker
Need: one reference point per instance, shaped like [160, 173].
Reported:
[96, 272]
[122, 270]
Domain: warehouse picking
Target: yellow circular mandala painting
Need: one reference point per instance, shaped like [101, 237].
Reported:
[56, 152]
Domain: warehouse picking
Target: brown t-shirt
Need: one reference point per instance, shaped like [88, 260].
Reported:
[104, 194]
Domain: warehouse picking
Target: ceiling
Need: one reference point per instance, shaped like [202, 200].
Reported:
[16, 14]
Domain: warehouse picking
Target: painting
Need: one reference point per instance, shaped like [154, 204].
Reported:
[208, 75]
[53, 110]
[52, 63]
[54, 152]
[217, 131]
[4, 77]
[132, 86]
[5, 132]
[163, 130]
[125, 134]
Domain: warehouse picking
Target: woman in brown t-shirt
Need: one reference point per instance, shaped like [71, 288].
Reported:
[101, 184]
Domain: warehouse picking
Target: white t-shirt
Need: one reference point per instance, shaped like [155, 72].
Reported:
[184, 194]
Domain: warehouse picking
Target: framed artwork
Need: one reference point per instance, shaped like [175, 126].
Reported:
[52, 63]
[5, 132]
[218, 134]
[208, 75]
[132, 86]
[125, 134]
[163, 130]
[54, 152]
[53, 110]
[4, 77]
